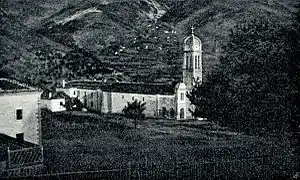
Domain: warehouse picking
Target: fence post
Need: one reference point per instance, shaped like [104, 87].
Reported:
[146, 167]
[129, 170]
[177, 168]
[8, 157]
[42, 149]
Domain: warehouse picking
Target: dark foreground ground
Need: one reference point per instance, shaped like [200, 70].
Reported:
[81, 141]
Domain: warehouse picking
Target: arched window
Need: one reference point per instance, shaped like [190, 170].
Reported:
[181, 96]
[172, 112]
[187, 62]
[199, 62]
[196, 62]
[84, 101]
[164, 112]
[182, 113]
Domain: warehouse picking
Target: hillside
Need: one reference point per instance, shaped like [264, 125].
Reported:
[18, 46]
[143, 39]
[124, 34]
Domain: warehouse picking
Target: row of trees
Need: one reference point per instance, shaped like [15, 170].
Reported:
[255, 88]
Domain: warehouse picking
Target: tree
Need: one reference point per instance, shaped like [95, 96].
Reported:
[296, 114]
[49, 67]
[252, 89]
[80, 63]
[135, 111]
[73, 104]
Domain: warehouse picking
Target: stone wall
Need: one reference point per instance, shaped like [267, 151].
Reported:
[119, 101]
[114, 102]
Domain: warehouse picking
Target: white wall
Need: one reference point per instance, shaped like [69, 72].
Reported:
[54, 105]
[154, 103]
[114, 102]
[29, 124]
[181, 103]
[119, 101]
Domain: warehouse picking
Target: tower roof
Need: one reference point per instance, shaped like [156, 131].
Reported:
[192, 42]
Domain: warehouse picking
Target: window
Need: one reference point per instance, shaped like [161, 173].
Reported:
[199, 62]
[74, 92]
[143, 99]
[20, 136]
[61, 103]
[187, 62]
[84, 93]
[164, 112]
[132, 97]
[122, 96]
[19, 114]
[84, 102]
[196, 62]
[92, 95]
[182, 96]
[181, 113]
[78, 92]
[92, 104]
[172, 112]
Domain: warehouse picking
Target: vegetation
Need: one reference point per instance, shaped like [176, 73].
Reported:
[51, 66]
[135, 110]
[73, 104]
[253, 89]
[82, 141]
[296, 113]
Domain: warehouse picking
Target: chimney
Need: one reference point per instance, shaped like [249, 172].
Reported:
[63, 83]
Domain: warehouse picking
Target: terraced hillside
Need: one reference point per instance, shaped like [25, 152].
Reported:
[143, 38]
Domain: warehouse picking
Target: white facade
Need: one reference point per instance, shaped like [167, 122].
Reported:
[19, 114]
[54, 105]
[114, 102]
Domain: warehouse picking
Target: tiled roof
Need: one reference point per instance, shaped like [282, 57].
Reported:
[25, 153]
[127, 87]
[55, 95]
[10, 85]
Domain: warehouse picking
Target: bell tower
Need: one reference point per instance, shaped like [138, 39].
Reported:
[192, 60]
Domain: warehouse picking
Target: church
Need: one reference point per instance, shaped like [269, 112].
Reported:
[162, 99]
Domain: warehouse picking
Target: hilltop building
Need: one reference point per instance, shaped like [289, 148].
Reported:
[162, 99]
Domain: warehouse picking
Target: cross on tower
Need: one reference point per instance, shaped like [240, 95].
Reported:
[192, 29]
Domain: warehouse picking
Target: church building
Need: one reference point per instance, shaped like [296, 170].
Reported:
[162, 99]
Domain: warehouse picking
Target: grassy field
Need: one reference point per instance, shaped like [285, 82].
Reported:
[82, 141]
